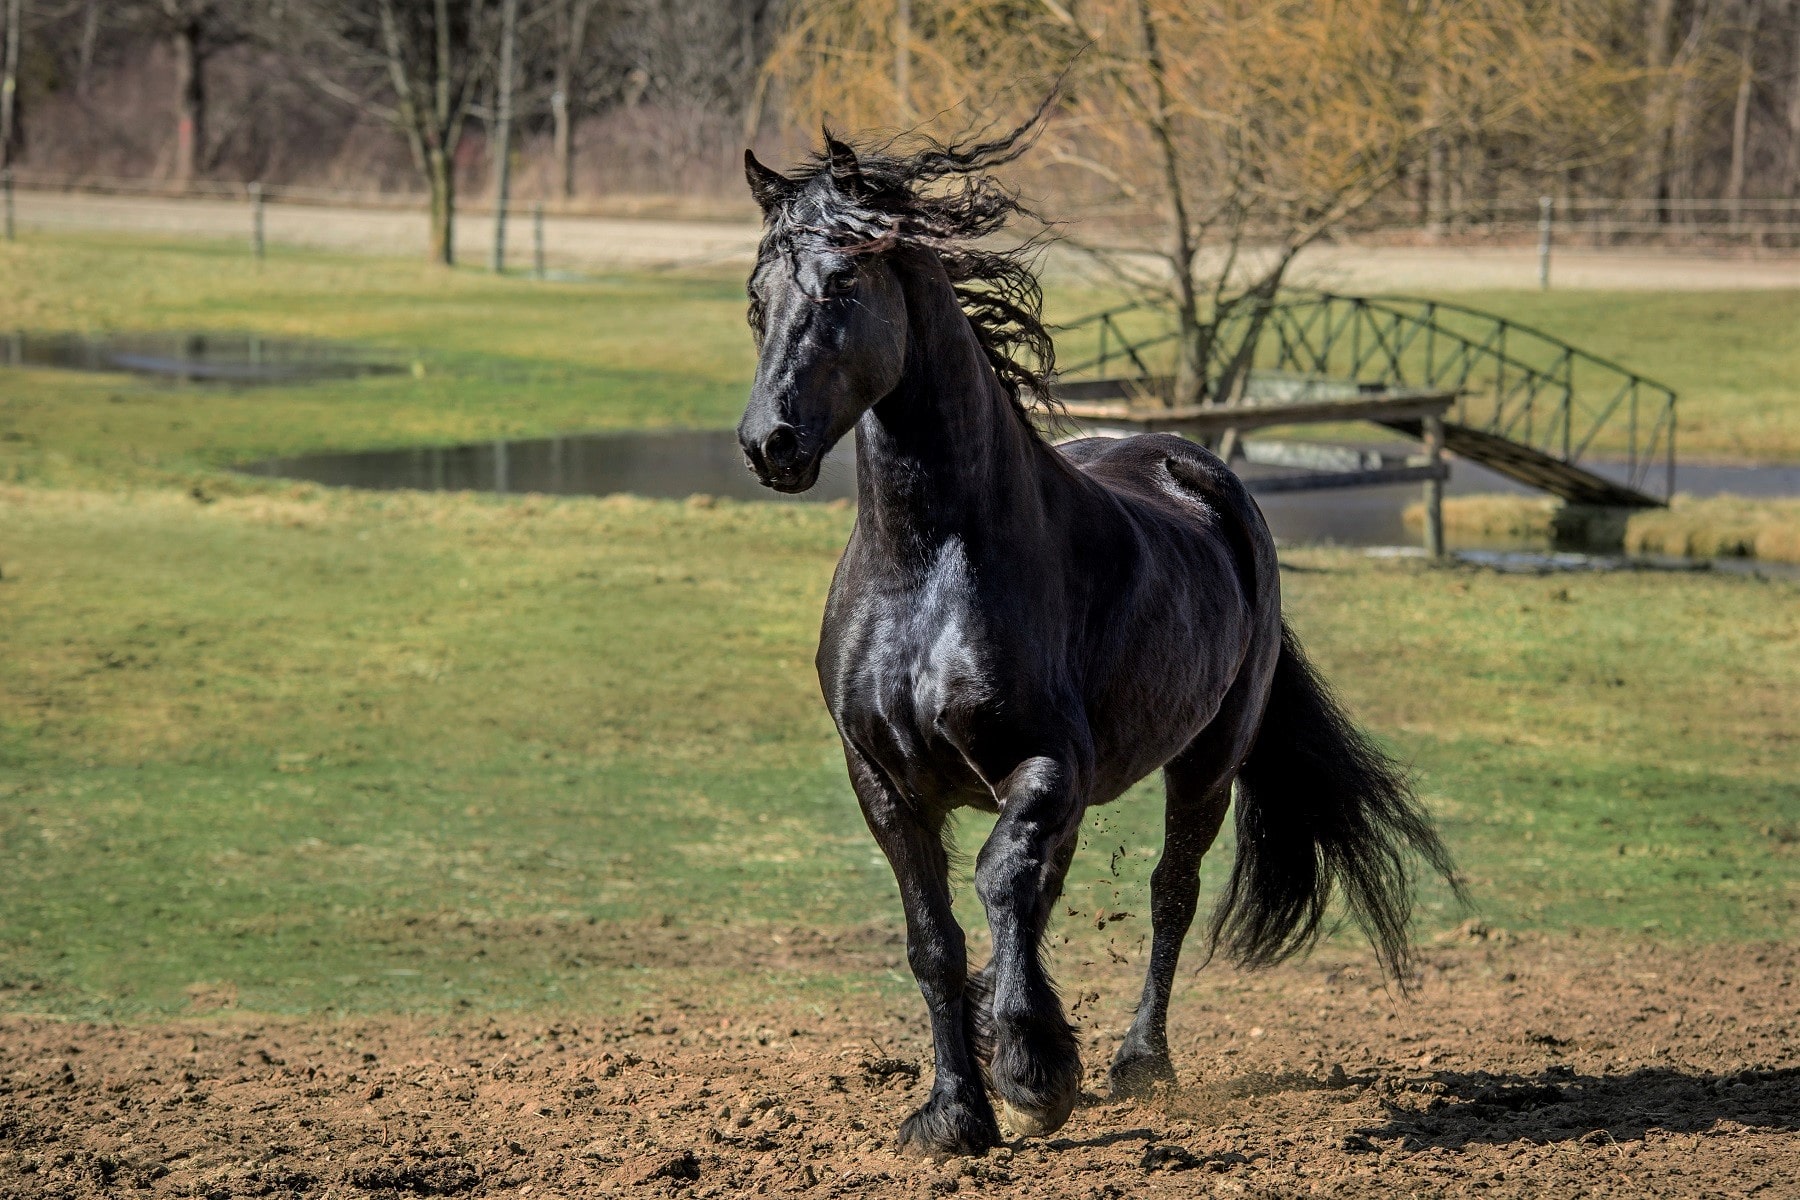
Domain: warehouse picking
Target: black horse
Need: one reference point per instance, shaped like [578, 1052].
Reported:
[1030, 629]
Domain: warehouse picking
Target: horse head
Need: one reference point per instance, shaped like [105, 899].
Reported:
[828, 313]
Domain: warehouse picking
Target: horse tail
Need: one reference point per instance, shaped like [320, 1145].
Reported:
[1320, 807]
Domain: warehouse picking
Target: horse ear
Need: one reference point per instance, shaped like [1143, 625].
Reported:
[770, 187]
[846, 172]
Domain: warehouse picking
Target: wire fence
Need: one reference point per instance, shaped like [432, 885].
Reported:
[538, 240]
[1599, 221]
[563, 239]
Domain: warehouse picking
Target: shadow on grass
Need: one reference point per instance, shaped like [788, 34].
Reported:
[1562, 1106]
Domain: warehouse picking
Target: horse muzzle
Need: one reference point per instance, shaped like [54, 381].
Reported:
[784, 458]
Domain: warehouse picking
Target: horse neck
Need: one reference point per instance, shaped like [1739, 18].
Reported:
[945, 454]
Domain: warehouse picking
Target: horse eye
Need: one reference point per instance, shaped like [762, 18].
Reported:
[841, 285]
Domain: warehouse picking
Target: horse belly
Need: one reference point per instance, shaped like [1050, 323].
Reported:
[1174, 649]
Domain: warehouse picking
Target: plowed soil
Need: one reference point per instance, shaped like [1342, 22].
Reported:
[1574, 1066]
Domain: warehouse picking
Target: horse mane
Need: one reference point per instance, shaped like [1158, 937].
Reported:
[890, 202]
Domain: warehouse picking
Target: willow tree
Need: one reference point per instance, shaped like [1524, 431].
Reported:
[1220, 137]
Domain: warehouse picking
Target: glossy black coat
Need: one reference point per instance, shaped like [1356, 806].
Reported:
[1030, 629]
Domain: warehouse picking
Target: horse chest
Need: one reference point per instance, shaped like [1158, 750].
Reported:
[911, 667]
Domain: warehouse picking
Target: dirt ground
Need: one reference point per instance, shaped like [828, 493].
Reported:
[597, 243]
[1574, 1066]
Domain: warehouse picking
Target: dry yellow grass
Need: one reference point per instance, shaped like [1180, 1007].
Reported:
[1713, 527]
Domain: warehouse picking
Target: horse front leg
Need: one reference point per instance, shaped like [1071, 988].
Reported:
[956, 1118]
[1036, 1064]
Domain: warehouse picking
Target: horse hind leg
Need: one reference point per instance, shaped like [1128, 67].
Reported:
[1197, 788]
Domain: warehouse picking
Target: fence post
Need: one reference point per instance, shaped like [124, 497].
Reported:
[1545, 205]
[6, 185]
[1434, 488]
[256, 221]
[537, 240]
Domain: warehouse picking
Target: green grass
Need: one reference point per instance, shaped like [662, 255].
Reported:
[515, 357]
[307, 744]
[323, 750]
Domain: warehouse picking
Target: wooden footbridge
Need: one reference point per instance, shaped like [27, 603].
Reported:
[1515, 399]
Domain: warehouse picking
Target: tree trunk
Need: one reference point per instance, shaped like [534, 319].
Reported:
[503, 132]
[1260, 301]
[190, 102]
[1193, 343]
[1653, 183]
[1740, 115]
[84, 58]
[562, 136]
[441, 175]
[9, 81]
[1793, 109]
[1684, 119]
[1193, 340]
[1437, 184]
[1437, 159]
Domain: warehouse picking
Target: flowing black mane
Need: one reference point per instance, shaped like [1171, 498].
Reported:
[871, 198]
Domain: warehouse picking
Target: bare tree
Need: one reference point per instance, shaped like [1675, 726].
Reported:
[194, 30]
[573, 26]
[420, 64]
[1223, 136]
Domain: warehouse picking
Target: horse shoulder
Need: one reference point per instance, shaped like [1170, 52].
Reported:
[905, 644]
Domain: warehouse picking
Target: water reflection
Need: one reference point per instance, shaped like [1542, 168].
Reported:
[677, 464]
[232, 358]
[668, 466]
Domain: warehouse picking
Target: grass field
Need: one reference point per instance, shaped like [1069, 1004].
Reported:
[500, 357]
[329, 750]
[332, 751]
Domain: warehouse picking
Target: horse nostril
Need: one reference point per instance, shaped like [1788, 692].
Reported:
[781, 449]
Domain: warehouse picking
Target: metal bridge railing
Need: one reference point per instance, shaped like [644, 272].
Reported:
[1513, 381]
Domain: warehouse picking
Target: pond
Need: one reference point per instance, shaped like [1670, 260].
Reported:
[224, 358]
[678, 464]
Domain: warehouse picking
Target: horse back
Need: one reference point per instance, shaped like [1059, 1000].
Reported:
[1190, 486]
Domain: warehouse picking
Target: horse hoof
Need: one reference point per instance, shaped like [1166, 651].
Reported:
[1029, 1123]
[1036, 1073]
[1137, 1078]
[943, 1129]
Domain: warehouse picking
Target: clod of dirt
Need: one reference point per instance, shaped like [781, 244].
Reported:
[1496, 1100]
[1159, 1156]
[683, 1167]
[883, 1069]
[422, 1177]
